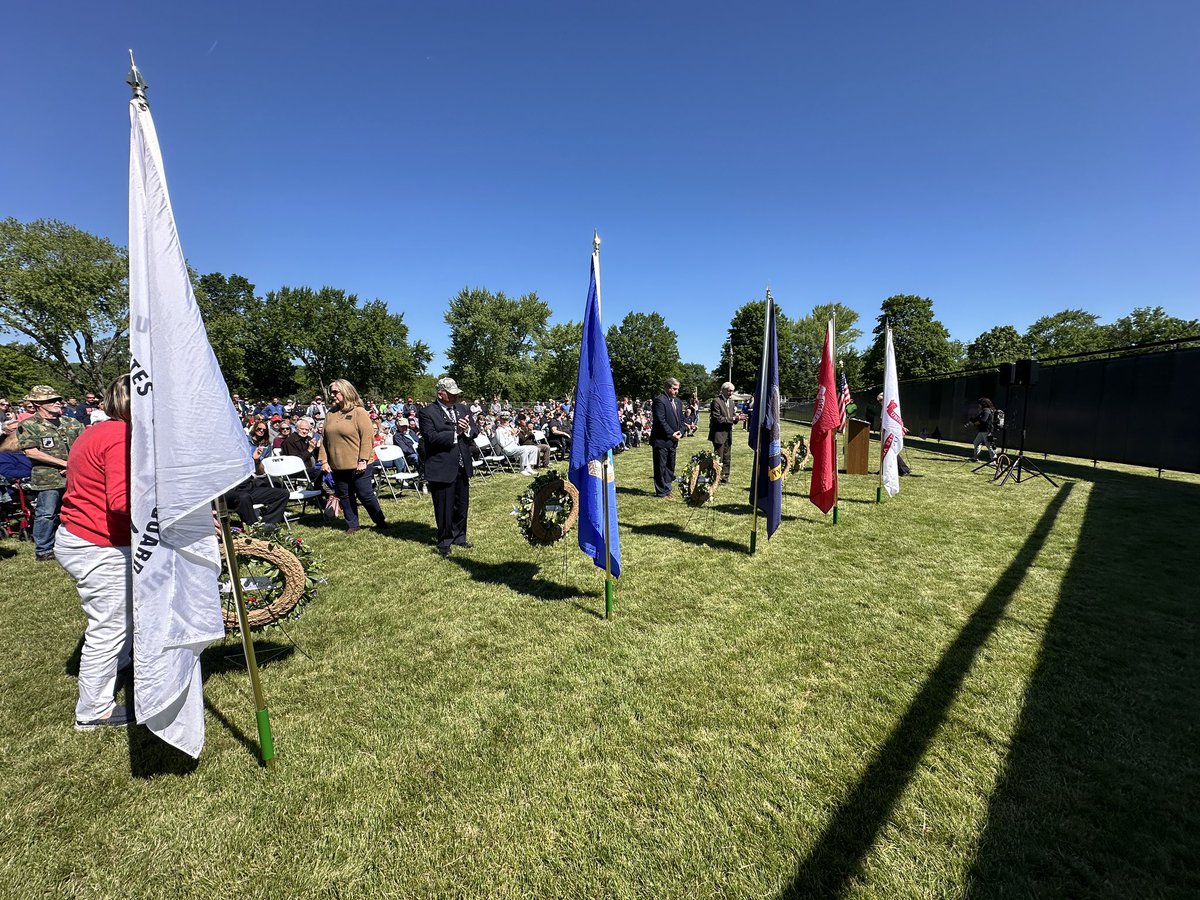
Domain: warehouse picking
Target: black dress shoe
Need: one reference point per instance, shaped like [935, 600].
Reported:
[444, 551]
[466, 545]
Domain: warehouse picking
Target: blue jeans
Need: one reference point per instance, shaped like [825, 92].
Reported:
[352, 486]
[45, 520]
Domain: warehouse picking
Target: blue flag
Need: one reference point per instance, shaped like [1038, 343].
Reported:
[595, 431]
[764, 431]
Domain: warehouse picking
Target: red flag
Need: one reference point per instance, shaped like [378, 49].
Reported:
[823, 445]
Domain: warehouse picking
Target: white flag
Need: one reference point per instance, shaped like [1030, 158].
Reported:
[891, 431]
[175, 472]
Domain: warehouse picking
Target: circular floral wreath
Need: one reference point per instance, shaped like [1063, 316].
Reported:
[278, 575]
[799, 454]
[547, 509]
[702, 479]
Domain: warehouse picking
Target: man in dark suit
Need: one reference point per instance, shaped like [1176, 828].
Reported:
[446, 433]
[722, 414]
[665, 432]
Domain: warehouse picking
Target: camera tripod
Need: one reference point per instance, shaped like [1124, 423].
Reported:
[1024, 468]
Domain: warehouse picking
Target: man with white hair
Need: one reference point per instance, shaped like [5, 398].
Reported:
[722, 415]
[510, 444]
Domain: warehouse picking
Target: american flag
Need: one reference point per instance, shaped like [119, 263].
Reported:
[845, 404]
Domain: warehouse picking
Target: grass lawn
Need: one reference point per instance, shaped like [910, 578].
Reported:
[967, 691]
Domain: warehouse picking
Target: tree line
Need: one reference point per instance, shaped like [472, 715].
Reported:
[64, 295]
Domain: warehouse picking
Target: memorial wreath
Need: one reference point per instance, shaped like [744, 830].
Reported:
[279, 575]
[547, 509]
[702, 479]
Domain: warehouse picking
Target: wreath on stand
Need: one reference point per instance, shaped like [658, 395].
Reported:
[279, 576]
[702, 479]
[799, 453]
[786, 455]
[547, 509]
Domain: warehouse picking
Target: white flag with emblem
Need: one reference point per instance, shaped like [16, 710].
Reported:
[891, 431]
[174, 473]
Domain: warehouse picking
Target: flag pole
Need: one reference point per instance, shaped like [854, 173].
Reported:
[609, 587]
[266, 741]
[758, 416]
[879, 487]
[837, 482]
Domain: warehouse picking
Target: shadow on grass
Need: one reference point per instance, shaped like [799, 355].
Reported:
[71, 666]
[675, 532]
[1100, 794]
[517, 577]
[150, 756]
[7, 552]
[624, 489]
[837, 854]
[227, 656]
[406, 530]
[1054, 467]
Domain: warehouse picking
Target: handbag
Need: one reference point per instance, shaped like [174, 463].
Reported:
[333, 507]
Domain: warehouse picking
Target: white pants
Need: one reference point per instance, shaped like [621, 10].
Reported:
[981, 440]
[525, 455]
[104, 580]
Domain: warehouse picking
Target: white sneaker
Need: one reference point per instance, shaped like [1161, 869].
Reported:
[527, 471]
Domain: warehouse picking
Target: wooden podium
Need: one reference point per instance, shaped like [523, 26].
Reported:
[858, 446]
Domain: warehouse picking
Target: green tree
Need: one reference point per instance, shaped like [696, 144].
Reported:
[494, 341]
[421, 387]
[1145, 325]
[808, 341]
[695, 379]
[559, 355]
[996, 345]
[644, 353]
[922, 343]
[334, 337]
[745, 339]
[20, 369]
[1064, 333]
[228, 305]
[67, 292]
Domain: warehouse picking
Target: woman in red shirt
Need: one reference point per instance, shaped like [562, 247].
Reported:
[93, 546]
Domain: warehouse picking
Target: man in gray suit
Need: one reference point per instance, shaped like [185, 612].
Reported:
[722, 415]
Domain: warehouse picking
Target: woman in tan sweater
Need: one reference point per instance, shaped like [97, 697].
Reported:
[347, 448]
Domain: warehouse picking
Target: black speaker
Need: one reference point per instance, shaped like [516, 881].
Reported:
[1008, 374]
[1027, 371]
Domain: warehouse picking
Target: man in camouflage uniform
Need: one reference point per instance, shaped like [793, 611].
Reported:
[46, 437]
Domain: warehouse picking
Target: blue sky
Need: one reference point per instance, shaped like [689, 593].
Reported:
[1008, 160]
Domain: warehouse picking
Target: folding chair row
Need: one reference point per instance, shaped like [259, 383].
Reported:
[393, 470]
[289, 473]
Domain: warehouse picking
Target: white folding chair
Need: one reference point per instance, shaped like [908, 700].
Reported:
[540, 436]
[492, 462]
[393, 469]
[289, 473]
[505, 463]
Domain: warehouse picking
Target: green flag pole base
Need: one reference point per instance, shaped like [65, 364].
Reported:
[266, 740]
[608, 599]
[753, 541]
[878, 494]
[835, 514]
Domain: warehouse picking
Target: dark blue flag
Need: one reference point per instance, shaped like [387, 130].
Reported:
[764, 429]
[596, 430]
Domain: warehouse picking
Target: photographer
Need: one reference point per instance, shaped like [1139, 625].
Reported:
[984, 422]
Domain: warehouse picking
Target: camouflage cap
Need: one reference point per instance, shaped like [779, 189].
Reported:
[42, 393]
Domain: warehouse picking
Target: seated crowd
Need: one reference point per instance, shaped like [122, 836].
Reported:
[519, 438]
